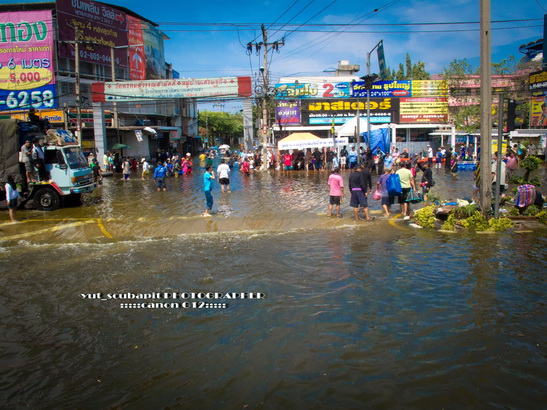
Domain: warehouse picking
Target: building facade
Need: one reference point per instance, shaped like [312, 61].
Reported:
[54, 51]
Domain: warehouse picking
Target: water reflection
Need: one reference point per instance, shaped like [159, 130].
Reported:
[356, 315]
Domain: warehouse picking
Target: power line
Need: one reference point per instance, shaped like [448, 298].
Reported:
[285, 12]
[349, 24]
[312, 17]
[374, 31]
[539, 4]
[335, 33]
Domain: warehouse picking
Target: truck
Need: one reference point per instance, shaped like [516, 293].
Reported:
[70, 174]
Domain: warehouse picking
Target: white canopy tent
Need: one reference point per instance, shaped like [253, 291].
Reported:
[349, 129]
[303, 140]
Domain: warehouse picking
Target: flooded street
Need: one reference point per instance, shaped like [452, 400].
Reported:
[97, 307]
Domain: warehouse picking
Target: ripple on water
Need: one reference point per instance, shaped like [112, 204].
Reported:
[354, 316]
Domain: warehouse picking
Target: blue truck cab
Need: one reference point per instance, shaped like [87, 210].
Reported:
[69, 173]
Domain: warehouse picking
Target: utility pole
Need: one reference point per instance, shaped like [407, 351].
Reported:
[498, 157]
[266, 100]
[115, 118]
[77, 86]
[265, 86]
[486, 109]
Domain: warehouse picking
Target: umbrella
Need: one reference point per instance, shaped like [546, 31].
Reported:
[120, 146]
[225, 146]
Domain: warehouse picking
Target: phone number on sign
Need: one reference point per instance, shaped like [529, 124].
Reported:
[25, 99]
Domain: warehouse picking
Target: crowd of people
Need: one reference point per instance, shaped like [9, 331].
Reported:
[362, 163]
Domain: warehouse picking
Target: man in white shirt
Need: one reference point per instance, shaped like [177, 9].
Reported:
[223, 172]
[145, 169]
[503, 174]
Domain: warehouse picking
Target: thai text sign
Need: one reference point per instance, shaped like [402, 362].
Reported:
[424, 110]
[312, 90]
[313, 143]
[382, 89]
[429, 88]
[97, 23]
[171, 88]
[137, 58]
[288, 112]
[325, 111]
[356, 89]
[538, 80]
[26, 60]
[538, 111]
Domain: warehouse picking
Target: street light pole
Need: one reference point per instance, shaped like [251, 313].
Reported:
[369, 88]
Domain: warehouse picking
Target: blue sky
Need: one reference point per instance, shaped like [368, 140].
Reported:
[207, 38]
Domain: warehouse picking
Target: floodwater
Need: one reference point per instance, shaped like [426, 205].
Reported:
[344, 314]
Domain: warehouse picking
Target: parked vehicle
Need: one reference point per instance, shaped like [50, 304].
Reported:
[70, 174]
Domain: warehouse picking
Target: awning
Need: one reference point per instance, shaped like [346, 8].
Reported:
[303, 140]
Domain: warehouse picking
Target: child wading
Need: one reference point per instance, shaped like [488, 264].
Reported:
[11, 197]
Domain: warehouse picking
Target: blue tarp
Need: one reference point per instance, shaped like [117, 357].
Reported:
[378, 138]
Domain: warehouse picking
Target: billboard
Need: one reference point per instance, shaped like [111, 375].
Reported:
[287, 112]
[383, 89]
[356, 89]
[27, 74]
[146, 57]
[97, 23]
[538, 111]
[429, 88]
[313, 90]
[423, 110]
[153, 49]
[135, 40]
[538, 81]
[324, 112]
[171, 88]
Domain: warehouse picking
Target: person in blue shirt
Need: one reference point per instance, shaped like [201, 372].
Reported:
[352, 158]
[169, 168]
[208, 178]
[159, 176]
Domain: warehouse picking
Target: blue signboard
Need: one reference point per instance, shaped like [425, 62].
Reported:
[383, 89]
[39, 98]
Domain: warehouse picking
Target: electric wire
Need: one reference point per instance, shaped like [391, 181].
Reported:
[539, 4]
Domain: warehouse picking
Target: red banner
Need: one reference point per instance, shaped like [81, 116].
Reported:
[137, 58]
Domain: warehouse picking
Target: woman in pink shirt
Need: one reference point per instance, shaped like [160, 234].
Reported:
[336, 183]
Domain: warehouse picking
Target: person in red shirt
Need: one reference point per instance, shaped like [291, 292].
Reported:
[245, 167]
[287, 161]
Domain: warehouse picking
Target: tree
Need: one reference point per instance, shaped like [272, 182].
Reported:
[464, 108]
[506, 66]
[463, 111]
[409, 71]
[220, 127]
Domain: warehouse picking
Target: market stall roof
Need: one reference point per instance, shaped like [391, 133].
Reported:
[298, 140]
[300, 136]
[303, 140]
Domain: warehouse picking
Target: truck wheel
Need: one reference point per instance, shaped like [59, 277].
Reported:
[47, 200]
